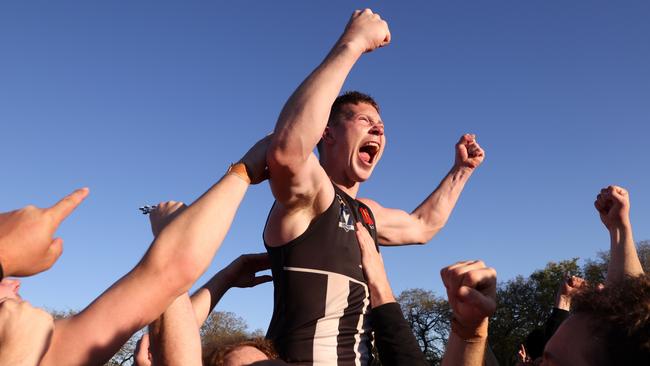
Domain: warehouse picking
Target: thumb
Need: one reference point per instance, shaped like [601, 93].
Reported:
[262, 279]
[54, 251]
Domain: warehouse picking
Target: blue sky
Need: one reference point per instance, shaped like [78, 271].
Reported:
[150, 101]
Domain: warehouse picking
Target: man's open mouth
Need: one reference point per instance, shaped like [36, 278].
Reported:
[368, 151]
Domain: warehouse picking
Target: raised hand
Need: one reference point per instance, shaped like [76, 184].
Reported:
[366, 31]
[613, 205]
[471, 290]
[164, 213]
[255, 161]
[27, 245]
[568, 288]
[242, 272]
[468, 152]
[25, 333]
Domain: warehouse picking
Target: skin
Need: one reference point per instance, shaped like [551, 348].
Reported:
[27, 242]
[180, 253]
[174, 336]
[471, 291]
[568, 288]
[573, 342]
[9, 289]
[302, 186]
[25, 333]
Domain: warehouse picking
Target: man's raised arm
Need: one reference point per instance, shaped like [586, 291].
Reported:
[296, 174]
[397, 227]
[613, 205]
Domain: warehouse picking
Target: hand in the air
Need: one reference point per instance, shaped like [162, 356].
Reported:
[469, 153]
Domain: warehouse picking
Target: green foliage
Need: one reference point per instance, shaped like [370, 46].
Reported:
[429, 317]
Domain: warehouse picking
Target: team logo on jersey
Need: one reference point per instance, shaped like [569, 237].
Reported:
[345, 216]
[367, 218]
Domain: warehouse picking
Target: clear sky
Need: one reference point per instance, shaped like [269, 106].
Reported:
[147, 101]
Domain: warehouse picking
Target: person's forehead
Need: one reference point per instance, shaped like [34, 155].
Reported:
[362, 108]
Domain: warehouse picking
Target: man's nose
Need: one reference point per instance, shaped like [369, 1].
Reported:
[377, 130]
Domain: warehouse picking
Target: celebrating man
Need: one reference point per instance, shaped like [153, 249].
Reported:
[321, 299]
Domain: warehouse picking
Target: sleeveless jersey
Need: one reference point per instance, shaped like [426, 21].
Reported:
[321, 313]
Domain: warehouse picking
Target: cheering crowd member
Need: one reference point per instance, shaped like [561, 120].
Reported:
[321, 300]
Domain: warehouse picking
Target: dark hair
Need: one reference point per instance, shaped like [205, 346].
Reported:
[535, 343]
[620, 315]
[217, 356]
[349, 97]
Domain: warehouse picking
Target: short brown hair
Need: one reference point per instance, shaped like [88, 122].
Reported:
[349, 97]
[620, 315]
[217, 356]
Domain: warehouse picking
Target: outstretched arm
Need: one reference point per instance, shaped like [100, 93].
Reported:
[471, 290]
[397, 227]
[613, 205]
[297, 177]
[178, 256]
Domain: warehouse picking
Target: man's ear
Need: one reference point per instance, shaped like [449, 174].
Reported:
[328, 138]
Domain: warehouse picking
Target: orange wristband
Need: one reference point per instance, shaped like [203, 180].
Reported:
[239, 169]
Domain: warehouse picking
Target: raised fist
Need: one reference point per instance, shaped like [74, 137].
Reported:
[568, 288]
[471, 290]
[613, 205]
[366, 31]
[25, 333]
[164, 213]
[27, 245]
[468, 152]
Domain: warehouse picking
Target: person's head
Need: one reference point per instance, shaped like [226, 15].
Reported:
[535, 343]
[242, 353]
[9, 289]
[353, 140]
[609, 326]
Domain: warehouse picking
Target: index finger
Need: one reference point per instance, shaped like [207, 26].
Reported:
[64, 207]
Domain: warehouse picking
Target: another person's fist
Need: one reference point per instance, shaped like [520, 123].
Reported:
[25, 333]
[471, 290]
[366, 31]
[469, 153]
[164, 213]
[613, 205]
[27, 243]
[569, 288]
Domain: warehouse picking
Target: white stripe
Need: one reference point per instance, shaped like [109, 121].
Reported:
[360, 330]
[327, 327]
[298, 269]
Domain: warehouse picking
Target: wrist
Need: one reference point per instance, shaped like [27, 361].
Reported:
[380, 294]
[239, 170]
[350, 47]
[563, 303]
[470, 334]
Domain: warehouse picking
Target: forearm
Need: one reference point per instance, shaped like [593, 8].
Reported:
[624, 260]
[304, 117]
[435, 210]
[175, 336]
[394, 339]
[465, 351]
[186, 246]
[207, 297]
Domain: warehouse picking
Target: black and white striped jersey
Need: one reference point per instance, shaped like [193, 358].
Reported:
[321, 313]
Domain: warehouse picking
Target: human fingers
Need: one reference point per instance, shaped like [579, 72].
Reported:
[67, 204]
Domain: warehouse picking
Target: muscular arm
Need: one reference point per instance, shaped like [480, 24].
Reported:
[298, 181]
[397, 227]
[178, 256]
[175, 339]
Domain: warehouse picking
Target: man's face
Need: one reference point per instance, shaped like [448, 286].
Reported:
[572, 344]
[358, 140]
[9, 289]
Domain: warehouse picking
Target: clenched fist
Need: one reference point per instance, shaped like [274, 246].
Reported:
[27, 245]
[471, 290]
[613, 205]
[164, 213]
[468, 152]
[366, 31]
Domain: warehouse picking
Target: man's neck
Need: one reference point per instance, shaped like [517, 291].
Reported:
[340, 179]
[349, 190]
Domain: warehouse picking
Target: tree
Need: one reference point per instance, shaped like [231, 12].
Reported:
[429, 318]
